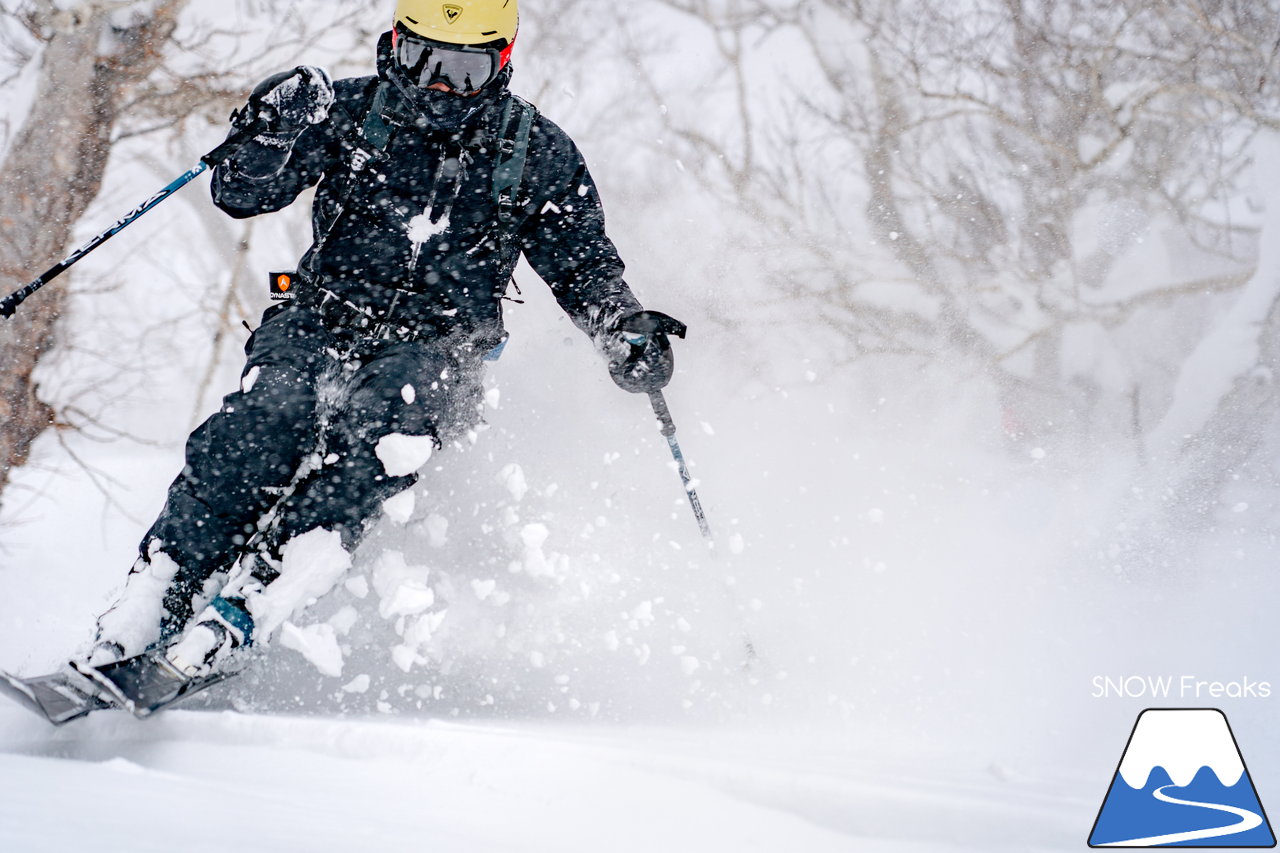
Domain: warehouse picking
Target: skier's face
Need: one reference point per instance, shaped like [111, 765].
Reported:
[442, 87]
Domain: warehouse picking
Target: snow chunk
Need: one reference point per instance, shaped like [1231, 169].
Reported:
[536, 562]
[642, 614]
[437, 530]
[422, 229]
[403, 590]
[405, 657]
[312, 565]
[358, 586]
[250, 379]
[689, 665]
[409, 598]
[344, 620]
[484, 589]
[400, 507]
[402, 455]
[317, 643]
[419, 632]
[534, 536]
[359, 684]
[492, 398]
[512, 477]
[408, 393]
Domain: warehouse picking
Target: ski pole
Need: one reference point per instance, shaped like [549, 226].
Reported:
[669, 430]
[657, 326]
[10, 304]
[654, 323]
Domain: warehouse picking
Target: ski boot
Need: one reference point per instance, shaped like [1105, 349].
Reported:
[204, 655]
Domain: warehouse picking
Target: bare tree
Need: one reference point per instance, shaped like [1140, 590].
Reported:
[91, 56]
[109, 71]
[1008, 155]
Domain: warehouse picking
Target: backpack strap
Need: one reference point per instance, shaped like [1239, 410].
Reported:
[376, 130]
[513, 152]
[375, 133]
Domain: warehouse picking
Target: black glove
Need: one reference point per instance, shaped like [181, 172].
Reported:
[289, 102]
[639, 351]
[292, 101]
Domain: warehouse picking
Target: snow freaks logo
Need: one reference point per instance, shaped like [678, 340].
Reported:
[1182, 783]
[1187, 688]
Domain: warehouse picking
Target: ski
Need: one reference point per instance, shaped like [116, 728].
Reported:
[59, 697]
[146, 683]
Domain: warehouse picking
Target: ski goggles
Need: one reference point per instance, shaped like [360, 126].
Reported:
[463, 68]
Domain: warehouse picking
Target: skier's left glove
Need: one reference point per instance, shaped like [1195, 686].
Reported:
[289, 103]
[639, 351]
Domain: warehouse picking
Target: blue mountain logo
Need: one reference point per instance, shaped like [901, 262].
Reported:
[1182, 782]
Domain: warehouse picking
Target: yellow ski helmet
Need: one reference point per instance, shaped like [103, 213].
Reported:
[462, 22]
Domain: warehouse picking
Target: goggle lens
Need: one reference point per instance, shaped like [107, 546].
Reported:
[462, 69]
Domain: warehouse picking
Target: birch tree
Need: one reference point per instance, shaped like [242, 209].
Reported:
[91, 55]
[101, 72]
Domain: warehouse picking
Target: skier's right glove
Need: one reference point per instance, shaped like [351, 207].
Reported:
[289, 103]
[640, 357]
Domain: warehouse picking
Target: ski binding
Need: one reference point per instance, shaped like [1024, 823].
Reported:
[146, 683]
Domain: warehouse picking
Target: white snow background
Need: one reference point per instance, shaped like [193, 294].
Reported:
[535, 651]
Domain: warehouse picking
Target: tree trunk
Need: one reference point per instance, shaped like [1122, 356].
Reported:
[51, 175]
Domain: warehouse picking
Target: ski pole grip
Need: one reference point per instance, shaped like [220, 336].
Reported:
[9, 305]
[233, 142]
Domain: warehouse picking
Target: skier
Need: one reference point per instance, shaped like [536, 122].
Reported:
[432, 180]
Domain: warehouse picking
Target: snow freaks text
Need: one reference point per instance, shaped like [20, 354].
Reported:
[1177, 687]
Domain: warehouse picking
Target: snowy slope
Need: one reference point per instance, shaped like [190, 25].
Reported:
[932, 595]
[218, 781]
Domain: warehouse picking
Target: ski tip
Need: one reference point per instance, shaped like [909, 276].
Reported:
[58, 697]
[18, 684]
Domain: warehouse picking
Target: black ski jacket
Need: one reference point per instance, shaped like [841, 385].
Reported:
[415, 240]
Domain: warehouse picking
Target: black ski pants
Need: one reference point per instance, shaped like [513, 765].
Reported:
[309, 394]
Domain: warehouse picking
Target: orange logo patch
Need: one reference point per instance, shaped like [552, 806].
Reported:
[281, 285]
